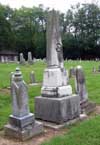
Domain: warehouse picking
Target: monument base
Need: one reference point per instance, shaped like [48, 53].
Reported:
[87, 106]
[21, 122]
[23, 128]
[56, 126]
[57, 110]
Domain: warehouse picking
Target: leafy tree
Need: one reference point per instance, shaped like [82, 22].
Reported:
[7, 39]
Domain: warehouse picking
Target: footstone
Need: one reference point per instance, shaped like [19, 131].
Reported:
[57, 110]
[83, 116]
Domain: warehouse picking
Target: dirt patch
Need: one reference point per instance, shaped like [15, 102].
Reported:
[48, 134]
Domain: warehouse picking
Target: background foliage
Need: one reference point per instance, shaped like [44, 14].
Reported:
[24, 30]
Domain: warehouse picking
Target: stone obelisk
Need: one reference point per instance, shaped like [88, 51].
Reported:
[56, 103]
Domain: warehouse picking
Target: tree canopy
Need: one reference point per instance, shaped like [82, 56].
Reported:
[24, 30]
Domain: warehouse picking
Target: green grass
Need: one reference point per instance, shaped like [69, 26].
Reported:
[6, 69]
[85, 133]
[5, 108]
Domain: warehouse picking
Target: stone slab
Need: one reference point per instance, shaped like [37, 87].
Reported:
[56, 92]
[27, 133]
[83, 116]
[22, 121]
[65, 124]
[59, 126]
[57, 110]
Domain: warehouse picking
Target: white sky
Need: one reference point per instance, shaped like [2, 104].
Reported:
[61, 5]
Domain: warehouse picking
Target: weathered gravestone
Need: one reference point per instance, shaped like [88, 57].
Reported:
[99, 68]
[57, 103]
[6, 59]
[94, 70]
[80, 86]
[32, 77]
[15, 59]
[30, 61]
[22, 124]
[22, 60]
[2, 59]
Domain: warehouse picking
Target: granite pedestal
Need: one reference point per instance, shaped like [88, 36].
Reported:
[57, 110]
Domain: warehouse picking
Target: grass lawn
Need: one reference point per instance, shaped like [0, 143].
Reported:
[85, 133]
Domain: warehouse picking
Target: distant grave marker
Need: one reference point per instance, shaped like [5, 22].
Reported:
[22, 60]
[32, 77]
[30, 60]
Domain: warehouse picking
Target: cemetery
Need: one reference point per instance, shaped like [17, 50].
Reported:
[80, 129]
[49, 100]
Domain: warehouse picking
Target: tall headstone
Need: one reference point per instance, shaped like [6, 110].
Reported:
[22, 124]
[57, 103]
[80, 87]
[22, 60]
[80, 84]
[32, 77]
[30, 61]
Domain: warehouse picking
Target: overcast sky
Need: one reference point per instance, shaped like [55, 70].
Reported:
[61, 5]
